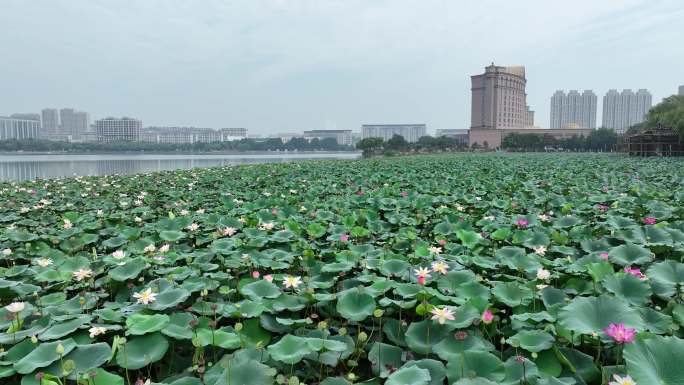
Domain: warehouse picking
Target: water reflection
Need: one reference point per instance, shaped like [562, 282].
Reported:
[25, 167]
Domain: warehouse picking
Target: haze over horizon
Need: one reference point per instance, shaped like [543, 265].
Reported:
[282, 66]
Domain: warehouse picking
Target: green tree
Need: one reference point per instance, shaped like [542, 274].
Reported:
[397, 143]
[602, 139]
[370, 145]
[669, 113]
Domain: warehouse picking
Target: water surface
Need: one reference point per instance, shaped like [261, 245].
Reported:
[29, 166]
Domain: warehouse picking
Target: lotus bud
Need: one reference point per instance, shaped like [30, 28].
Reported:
[82, 301]
[34, 339]
[196, 342]
[503, 340]
[535, 355]
[342, 331]
[322, 325]
[378, 313]
[238, 326]
[351, 376]
[59, 349]
[362, 337]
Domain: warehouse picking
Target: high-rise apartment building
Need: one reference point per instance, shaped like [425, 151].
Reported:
[81, 122]
[573, 110]
[410, 132]
[19, 127]
[681, 90]
[499, 99]
[342, 137]
[117, 130]
[621, 110]
[50, 121]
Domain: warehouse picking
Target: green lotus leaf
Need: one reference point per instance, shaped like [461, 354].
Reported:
[355, 305]
[44, 355]
[139, 324]
[531, 340]
[630, 254]
[171, 235]
[436, 369]
[62, 329]
[141, 351]
[177, 327]
[85, 358]
[589, 315]
[103, 377]
[422, 335]
[475, 363]
[168, 298]
[335, 381]
[239, 370]
[130, 270]
[650, 361]
[383, 357]
[260, 289]
[512, 294]
[290, 349]
[633, 290]
[409, 376]
[219, 338]
[665, 276]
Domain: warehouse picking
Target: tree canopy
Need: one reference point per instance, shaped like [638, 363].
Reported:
[669, 113]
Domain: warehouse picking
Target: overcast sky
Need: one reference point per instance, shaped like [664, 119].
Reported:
[278, 66]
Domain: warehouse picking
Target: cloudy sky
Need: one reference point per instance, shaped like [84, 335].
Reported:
[290, 65]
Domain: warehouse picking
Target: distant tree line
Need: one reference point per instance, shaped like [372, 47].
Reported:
[271, 144]
[602, 139]
[398, 145]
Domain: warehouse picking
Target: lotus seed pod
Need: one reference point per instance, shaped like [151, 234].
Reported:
[342, 331]
[238, 326]
[535, 355]
[362, 337]
[378, 313]
[351, 376]
[322, 325]
[293, 381]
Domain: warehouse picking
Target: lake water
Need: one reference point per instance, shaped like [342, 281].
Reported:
[25, 167]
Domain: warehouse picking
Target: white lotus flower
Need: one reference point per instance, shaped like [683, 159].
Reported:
[165, 248]
[184, 212]
[67, 224]
[96, 331]
[119, 254]
[442, 315]
[440, 267]
[423, 272]
[44, 262]
[435, 250]
[292, 282]
[15, 307]
[146, 296]
[626, 380]
[193, 226]
[541, 250]
[543, 273]
[6, 252]
[150, 248]
[229, 231]
[82, 274]
[266, 226]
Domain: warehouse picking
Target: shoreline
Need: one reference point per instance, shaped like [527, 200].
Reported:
[33, 153]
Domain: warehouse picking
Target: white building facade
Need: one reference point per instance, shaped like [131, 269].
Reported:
[573, 110]
[16, 128]
[410, 132]
[621, 110]
[118, 130]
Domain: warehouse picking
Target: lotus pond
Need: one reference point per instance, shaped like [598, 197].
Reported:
[467, 270]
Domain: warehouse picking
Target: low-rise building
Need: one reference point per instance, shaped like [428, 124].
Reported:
[461, 135]
[492, 138]
[410, 132]
[343, 137]
[180, 135]
[19, 128]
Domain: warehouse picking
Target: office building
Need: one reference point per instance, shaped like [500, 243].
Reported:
[499, 99]
[410, 132]
[622, 110]
[238, 132]
[343, 137]
[461, 135]
[19, 128]
[178, 135]
[117, 130]
[573, 109]
[50, 121]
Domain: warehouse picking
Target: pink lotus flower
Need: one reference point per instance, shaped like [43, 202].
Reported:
[604, 256]
[442, 242]
[522, 222]
[344, 238]
[620, 333]
[602, 208]
[635, 272]
[255, 274]
[268, 277]
[487, 317]
[359, 193]
[404, 194]
[650, 221]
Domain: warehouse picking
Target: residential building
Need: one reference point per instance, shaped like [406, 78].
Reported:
[499, 99]
[50, 121]
[681, 90]
[239, 132]
[529, 121]
[573, 109]
[625, 109]
[343, 137]
[81, 122]
[179, 135]
[410, 132]
[19, 128]
[116, 130]
[493, 138]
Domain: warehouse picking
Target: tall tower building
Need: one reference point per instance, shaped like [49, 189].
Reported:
[573, 109]
[499, 99]
[625, 109]
[50, 121]
[681, 90]
[67, 120]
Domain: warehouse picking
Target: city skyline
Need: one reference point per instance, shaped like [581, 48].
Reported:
[337, 66]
